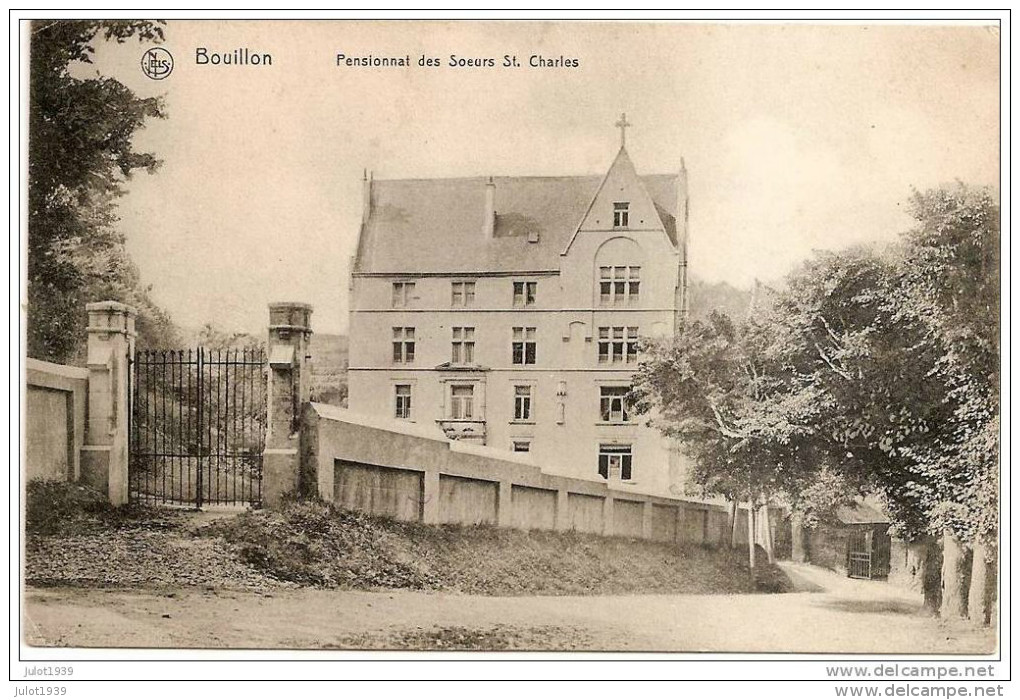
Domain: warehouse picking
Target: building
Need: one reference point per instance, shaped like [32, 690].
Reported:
[507, 311]
[855, 543]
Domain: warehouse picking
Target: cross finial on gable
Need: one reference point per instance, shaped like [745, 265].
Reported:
[622, 126]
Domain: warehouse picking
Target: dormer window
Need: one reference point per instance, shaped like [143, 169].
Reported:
[621, 214]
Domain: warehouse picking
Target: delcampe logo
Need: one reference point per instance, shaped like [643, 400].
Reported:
[157, 63]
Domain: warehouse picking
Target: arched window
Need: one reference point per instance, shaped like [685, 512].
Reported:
[618, 266]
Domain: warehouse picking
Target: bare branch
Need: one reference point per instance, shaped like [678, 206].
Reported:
[828, 329]
[841, 372]
[723, 428]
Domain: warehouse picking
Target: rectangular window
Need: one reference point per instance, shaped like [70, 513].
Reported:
[619, 285]
[524, 293]
[403, 345]
[403, 293]
[524, 346]
[462, 293]
[618, 344]
[615, 462]
[403, 400]
[521, 445]
[613, 404]
[522, 402]
[621, 214]
[462, 401]
[463, 351]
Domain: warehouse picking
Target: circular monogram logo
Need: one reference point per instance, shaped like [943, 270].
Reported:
[157, 63]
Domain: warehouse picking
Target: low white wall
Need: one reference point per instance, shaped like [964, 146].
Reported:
[55, 401]
[412, 473]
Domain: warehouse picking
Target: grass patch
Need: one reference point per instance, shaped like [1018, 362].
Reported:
[76, 536]
[63, 508]
[314, 543]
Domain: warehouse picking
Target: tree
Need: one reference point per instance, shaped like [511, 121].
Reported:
[715, 389]
[79, 157]
[871, 371]
[951, 285]
[839, 327]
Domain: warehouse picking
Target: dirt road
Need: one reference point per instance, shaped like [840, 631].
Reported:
[828, 614]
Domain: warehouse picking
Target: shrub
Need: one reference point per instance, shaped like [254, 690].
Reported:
[61, 507]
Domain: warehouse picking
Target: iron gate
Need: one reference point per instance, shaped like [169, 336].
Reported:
[197, 426]
[858, 552]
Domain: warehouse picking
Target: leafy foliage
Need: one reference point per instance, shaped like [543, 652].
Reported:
[871, 371]
[80, 156]
[951, 286]
[213, 338]
[817, 503]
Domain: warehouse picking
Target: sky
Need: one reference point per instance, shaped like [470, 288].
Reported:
[795, 138]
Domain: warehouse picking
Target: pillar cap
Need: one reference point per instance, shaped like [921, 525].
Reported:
[273, 306]
[286, 317]
[111, 306]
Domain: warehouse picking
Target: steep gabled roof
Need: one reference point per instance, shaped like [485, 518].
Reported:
[437, 225]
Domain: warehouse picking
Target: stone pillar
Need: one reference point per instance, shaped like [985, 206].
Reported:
[290, 331]
[504, 507]
[646, 520]
[608, 527]
[430, 497]
[111, 345]
[562, 510]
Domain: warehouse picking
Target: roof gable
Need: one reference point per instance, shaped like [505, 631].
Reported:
[622, 185]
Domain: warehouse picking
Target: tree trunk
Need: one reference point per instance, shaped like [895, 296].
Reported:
[766, 528]
[734, 509]
[750, 534]
[977, 599]
[798, 539]
[931, 574]
[954, 592]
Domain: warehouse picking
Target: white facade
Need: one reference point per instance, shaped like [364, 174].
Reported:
[525, 296]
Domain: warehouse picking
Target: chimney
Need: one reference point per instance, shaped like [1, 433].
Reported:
[366, 195]
[489, 222]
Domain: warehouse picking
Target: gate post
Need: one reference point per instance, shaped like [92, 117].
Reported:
[111, 347]
[288, 390]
